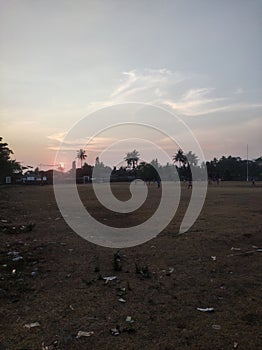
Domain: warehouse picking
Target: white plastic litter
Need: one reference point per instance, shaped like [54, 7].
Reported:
[207, 309]
[122, 300]
[32, 325]
[84, 334]
[109, 278]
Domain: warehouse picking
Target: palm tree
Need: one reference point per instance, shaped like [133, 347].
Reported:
[81, 154]
[191, 159]
[132, 158]
[180, 157]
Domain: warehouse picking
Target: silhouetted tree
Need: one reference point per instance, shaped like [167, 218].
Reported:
[132, 158]
[8, 166]
[180, 158]
[191, 159]
[81, 154]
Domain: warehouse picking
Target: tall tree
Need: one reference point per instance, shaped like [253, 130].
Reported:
[81, 154]
[191, 159]
[180, 158]
[7, 166]
[132, 158]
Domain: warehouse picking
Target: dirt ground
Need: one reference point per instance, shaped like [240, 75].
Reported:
[50, 275]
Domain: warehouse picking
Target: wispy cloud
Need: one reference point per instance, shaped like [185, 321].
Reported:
[57, 142]
[160, 86]
[197, 102]
[147, 85]
[59, 136]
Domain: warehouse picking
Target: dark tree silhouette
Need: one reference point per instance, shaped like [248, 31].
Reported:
[81, 154]
[191, 159]
[7, 166]
[132, 158]
[180, 158]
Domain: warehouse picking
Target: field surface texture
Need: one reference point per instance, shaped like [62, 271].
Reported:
[52, 286]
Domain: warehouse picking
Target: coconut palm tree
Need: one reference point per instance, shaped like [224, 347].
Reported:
[180, 158]
[81, 154]
[132, 158]
[191, 159]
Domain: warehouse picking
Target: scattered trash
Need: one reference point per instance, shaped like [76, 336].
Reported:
[117, 261]
[13, 253]
[109, 278]
[122, 300]
[233, 248]
[213, 257]
[216, 326]
[4, 221]
[259, 250]
[32, 325]
[129, 328]
[129, 319]
[84, 334]
[169, 271]
[13, 271]
[115, 331]
[34, 273]
[235, 345]
[121, 291]
[17, 258]
[16, 229]
[207, 309]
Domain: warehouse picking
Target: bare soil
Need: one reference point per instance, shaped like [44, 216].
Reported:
[59, 284]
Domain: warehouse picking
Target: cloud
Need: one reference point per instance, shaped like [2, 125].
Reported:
[197, 102]
[172, 90]
[96, 144]
[59, 136]
[147, 85]
[163, 87]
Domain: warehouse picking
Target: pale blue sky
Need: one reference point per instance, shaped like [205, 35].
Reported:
[62, 59]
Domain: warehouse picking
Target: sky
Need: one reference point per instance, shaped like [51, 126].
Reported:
[61, 60]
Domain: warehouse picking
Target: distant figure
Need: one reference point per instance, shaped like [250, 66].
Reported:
[253, 181]
[189, 184]
[158, 182]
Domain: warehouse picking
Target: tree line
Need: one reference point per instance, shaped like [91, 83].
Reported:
[226, 168]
